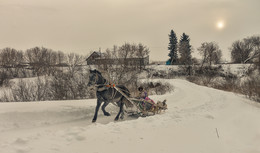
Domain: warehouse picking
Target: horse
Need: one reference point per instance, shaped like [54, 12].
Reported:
[106, 93]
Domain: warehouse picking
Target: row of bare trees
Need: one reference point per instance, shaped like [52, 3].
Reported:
[42, 60]
[57, 76]
[127, 51]
[36, 61]
[242, 51]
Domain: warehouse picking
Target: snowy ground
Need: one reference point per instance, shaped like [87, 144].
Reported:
[199, 120]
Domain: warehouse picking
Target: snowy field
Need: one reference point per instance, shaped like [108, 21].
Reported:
[198, 120]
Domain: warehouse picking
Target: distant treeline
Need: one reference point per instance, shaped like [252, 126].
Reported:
[36, 61]
[246, 50]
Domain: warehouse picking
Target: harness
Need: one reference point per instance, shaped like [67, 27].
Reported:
[107, 86]
[110, 85]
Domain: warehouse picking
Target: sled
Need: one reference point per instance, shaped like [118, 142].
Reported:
[143, 107]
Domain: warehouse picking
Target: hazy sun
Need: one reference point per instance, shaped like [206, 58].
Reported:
[220, 24]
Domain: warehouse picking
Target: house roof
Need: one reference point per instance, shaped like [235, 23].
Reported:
[99, 54]
[93, 53]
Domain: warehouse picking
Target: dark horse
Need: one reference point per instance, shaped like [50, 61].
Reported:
[106, 93]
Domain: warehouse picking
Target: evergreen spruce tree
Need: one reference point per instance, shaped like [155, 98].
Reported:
[173, 48]
[185, 50]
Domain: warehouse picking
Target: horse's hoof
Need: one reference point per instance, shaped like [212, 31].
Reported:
[116, 119]
[93, 121]
[107, 114]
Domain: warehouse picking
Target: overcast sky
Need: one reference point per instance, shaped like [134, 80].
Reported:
[82, 26]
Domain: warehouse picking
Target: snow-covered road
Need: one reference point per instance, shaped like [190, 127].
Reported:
[198, 120]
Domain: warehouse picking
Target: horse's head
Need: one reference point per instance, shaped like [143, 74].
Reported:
[92, 77]
[95, 77]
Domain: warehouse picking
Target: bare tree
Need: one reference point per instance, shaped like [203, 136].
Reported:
[211, 54]
[43, 61]
[240, 51]
[11, 60]
[35, 57]
[141, 52]
[254, 42]
[126, 50]
[61, 57]
[74, 62]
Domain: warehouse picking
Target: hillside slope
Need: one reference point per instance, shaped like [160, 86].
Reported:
[198, 120]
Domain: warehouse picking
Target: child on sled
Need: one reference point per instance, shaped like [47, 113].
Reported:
[143, 95]
[149, 105]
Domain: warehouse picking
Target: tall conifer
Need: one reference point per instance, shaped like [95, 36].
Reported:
[185, 50]
[173, 48]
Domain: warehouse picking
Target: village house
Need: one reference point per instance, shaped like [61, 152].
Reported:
[98, 58]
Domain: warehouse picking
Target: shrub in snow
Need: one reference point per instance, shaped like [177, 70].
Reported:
[157, 88]
[61, 86]
[67, 86]
[28, 90]
[251, 88]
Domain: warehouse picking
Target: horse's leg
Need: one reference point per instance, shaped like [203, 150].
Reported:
[123, 111]
[120, 110]
[96, 111]
[103, 108]
[122, 114]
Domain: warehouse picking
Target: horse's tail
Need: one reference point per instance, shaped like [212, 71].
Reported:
[124, 90]
[127, 93]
